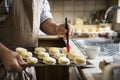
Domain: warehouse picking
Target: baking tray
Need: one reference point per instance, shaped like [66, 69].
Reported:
[40, 61]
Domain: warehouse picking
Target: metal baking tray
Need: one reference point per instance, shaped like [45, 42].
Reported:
[40, 61]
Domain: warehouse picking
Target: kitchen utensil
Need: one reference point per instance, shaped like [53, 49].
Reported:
[67, 35]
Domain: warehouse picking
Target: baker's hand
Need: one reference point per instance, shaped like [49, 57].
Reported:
[11, 61]
[61, 30]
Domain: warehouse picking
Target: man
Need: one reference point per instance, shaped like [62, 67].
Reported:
[20, 22]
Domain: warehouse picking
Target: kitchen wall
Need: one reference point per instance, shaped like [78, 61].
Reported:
[75, 8]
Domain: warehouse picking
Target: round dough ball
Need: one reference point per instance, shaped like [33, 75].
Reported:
[41, 55]
[92, 29]
[78, 30]
[100, 29]
[72, 55]
[58, 55]
[63, 60]
[49, 60]
[85, 30]
[39, 49]
[79, 60]
[25, 54]
[20, 49]
[64, 51]
[53, 50]
[31, 59]
[30, 53]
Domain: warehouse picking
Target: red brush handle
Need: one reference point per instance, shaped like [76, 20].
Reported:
[68, 48]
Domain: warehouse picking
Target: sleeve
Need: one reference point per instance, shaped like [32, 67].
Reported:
[45, 12]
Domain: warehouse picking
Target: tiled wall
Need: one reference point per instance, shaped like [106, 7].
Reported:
[75, 8]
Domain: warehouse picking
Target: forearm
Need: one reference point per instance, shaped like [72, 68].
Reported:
[3, 50]
[49, 27]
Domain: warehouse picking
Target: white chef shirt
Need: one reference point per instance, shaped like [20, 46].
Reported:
[5, 5]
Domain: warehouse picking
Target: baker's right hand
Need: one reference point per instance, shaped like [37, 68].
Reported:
[11, 61]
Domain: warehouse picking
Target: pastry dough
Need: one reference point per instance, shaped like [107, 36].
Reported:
[63, 60]
[72, 55]
[25, 54]
[39, 49]
[99, 29]
[20, 49]
[58, 55]
[85, 30]
[78, 30]
[31, 59]
[53, 50]
[64, 51]
[92, 29]
[30, 53]
[41, 55]
[79, 60]
[49, 60]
